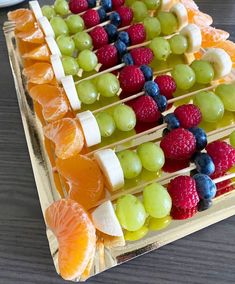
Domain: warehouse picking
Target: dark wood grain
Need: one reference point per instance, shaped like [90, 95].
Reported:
[207, 256]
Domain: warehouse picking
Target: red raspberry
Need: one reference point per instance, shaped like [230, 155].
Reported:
[78, 6]
[188, 115]
[145, 109]
[107, 56]
[142, 55]
[91, 18]
[223, 156]
[117, 3]
[179, 144]
[183, 192]
[126, 15]
[131, 79]
[171, 166]
[166, 85]
[182, 214]
[136, 33]
[99, 37]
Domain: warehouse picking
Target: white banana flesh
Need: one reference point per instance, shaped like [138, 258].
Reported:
[46, 26]
[35, 7]
[54, 49]
[166, 5]
[193, 34]
[70, 90]
[57, 67]
[181, 14]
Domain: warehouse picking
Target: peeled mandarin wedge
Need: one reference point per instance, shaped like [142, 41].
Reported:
[75, 234]
[202, 19]
[229, 47]
[84, 178]
[23, 18]
[191, 8]
[40, 53]
[33, 35]
[52, 99]
[39, 73]
[67, 137]
[212, 36]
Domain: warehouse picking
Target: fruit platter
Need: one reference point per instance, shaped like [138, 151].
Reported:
[128, 109]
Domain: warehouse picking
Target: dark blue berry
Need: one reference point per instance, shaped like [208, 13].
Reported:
[161, 102]
[106, 4]
[204, 205]
[151, 89]
[115, 19]
[205, 186]
[102, 14]
[112, 32]
[204, 164]
[127, 59]
[172, 121]
[121, 47]
[165, 132]
[147, 71]
[124, 36]
[200, 136]
[91, 3]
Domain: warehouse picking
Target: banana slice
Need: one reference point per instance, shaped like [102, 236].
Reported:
[193, 33]
[70, 90]
[166, 5]
[46, 26]
[220, 60]
[111, 167]
[105, 220]
[90, 128]
[35, 7]
[181, 14]
[57, 67]
[54, 49]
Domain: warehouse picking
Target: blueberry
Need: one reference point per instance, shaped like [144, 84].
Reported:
[206, 188]
[127, 59]
[115, 19]
[200, 136]
[161, 102]
[204, 164]
[91, 3]
[121, 47]
[204, 205]
[165, 132]
[124, 36]
[147, 71]
[106, 4]
[112, 32]
[172, 121]
[102, 15]
[151, 89]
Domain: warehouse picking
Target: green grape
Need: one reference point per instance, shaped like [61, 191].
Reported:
[152, 4]
[175, 59]
[129, 2]
[160, 47]
[130, 212]
[151, 156]
[156, 224]
[48, 11]
[107, 85]
[152, 27]
[70, 65]
[140, 11]
[124, 117]
[184, 76]
[226, 92]
[82, 41]
[178, 44]
[211, 106]
[168, 22]
[87, 92]
[203, 70]
[136, 235]
[207, 126]
[232, 139]
[61, 7]
[87, 60]
[59, 26]
[130, 163]
[226, 120]
[157, 201]
[75, 23]
[66, 45]
[106, 124]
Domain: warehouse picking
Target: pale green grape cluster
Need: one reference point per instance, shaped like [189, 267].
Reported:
[156, 224]
[75, 23]
[178, 44]
[136, 235]
[130, 163]
[106, 124]
[160, 47]
[70, 65]
[61, 7]
[152, 27]
[48, 11]
[140, 11]
[82, 41]
[108, 85]
[152, 4]
[124, 117]
[59, 26]
[226, 92]
[204, 71]
[87, 92]
[87, 60]
[184, 76]
[66, 45]
[168, 21]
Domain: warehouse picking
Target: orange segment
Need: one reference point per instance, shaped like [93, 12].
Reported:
[202, 19]
[23, 18]
[191, 8]
[40, 53]
[67, 136]
[75, 234]
[84, 178]
[211, 36]
[39, 73]
[229, 47]
[33, 35]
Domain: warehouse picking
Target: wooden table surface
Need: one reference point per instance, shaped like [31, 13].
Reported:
[207, 256]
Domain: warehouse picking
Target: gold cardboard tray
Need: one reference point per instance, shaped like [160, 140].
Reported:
[105, 257]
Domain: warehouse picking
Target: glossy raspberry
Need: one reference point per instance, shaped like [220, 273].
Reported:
[179, 144]
[107, 56]
[166, 85]
[91, 18]
[78, 6]
[117, 3]
[99, 37]
[126, 15]
[136, 33]
[182, 214]
[183, 192]
[142, 55]
[171, 166]
[223, 156]
[145, 109]
[188, 115]
[131, 79]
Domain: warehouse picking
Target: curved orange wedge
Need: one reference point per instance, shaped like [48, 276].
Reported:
[202, 19]
[212, 36]
[229, 47]
[75, 234]
[40, 53]
[39, 73]
[191, 8]
[33, 35]
[23, 18]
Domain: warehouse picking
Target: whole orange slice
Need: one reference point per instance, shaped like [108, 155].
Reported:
[23, 18]
[75, 234]
[39, 73]
[40, 53]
